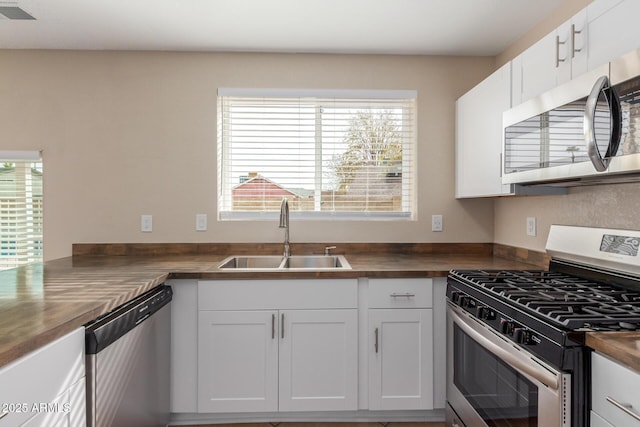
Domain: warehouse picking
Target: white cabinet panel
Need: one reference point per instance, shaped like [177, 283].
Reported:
[256, 353]
[318, 360]
[597, 421]
[539, 72]
[44, 376]
[277, 294]
[613, 30]
[184, 346]
[401, 293]
[237, 361]
[612, 382]
[400, 359]
[479, 136]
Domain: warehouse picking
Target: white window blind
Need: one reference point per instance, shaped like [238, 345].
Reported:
[332, 154]
[20, 208]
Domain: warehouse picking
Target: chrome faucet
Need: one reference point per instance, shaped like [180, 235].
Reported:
[284, 223]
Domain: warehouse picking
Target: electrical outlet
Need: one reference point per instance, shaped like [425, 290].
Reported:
[201, 222]
[531, 226]
[436, 222]
[146, 223]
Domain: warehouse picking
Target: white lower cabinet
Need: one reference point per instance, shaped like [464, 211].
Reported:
[400, 362]
[238, 361]
[614, 397]
[288, 345]
[46, 388]
[318, 360]
[400, 344]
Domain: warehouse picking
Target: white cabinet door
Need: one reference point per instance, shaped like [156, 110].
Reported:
[237, 361]
[45, 376]
[400, 359]
[573, 47]
[613, 29]
[539, 72]
[597, 421]
[614, 391]
[318, 360]
[479, 136]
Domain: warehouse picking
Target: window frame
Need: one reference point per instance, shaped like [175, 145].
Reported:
[409, 168]
[22, 216]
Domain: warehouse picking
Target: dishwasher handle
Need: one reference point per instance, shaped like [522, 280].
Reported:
[107, 329]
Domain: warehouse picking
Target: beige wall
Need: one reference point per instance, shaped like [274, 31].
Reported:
[129, 133]
[615, 206]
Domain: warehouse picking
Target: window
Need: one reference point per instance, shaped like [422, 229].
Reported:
[20, 208]
[332, 154]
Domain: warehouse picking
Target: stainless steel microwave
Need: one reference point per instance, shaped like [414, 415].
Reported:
[584, 132]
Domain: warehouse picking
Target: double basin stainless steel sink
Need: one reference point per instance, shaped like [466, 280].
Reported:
[293, 262]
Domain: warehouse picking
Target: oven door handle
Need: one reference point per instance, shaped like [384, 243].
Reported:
[518, 361]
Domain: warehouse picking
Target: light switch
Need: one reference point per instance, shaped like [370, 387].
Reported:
[531, 226]
[436, 222]
[201, 222]
[146, 223]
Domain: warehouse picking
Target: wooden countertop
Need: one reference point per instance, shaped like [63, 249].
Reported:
[41, 302]
[621, 346]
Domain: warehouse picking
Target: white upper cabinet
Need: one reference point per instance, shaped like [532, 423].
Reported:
[479, 136]
[597, 34]
[538, 71]
[613, 30]
[572, 47]
[554, 59]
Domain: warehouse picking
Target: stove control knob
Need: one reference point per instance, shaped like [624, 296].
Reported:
[463, 301]
[522, 335]
[455, 297]
[506, 326]
[485, 313]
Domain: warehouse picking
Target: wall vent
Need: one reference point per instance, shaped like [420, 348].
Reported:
[14, 12]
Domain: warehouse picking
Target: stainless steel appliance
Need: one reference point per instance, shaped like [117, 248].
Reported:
[515, 339]
[584, 132]
[128, 363]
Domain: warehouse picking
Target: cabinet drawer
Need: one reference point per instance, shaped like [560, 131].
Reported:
[40, 377]
[612, 382]
[400, 293]
[277, 294]
[597, 421]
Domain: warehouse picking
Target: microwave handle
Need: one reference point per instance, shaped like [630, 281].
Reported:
[602, 84]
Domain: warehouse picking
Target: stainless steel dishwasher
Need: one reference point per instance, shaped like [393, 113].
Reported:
[127, 362]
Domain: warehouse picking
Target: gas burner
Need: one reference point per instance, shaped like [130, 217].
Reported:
[566, 300]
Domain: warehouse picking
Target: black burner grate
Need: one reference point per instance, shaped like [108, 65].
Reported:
[570, 301]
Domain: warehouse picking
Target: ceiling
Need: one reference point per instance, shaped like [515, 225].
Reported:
[431, 27]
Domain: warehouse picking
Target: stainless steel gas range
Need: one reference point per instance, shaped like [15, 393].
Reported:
[515, 339]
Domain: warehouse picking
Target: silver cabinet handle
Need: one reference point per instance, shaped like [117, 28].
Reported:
[624, 407]
[402, 295]
[573, 40]
[375, 344]
[601, 164]
[273, 326]
[282, 326]
[558, 43]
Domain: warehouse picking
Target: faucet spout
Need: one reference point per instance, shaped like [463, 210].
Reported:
[284, 223]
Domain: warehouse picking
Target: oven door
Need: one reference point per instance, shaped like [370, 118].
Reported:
[492, 382]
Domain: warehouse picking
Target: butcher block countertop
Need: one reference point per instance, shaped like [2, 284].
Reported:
[621, 346]
[41, 302]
